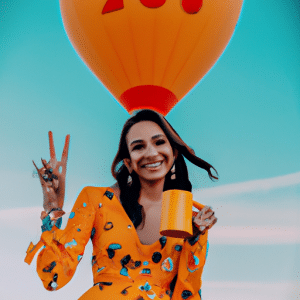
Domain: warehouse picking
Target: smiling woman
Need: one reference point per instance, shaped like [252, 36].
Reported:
[151, 155]
[130, 257]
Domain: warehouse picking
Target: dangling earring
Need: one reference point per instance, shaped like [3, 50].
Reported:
[129, 180]
[173, 170]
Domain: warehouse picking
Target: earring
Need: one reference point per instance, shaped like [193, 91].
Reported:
[129, 180]
[173, 170]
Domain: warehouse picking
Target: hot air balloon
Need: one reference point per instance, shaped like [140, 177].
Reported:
[150, 53]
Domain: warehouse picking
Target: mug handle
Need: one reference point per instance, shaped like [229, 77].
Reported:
[199, 206]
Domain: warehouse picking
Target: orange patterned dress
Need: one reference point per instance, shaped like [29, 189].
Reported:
[123, 268]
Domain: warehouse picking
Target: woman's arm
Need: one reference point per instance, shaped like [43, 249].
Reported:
[58, 260]
[191, 263]
[193, 257]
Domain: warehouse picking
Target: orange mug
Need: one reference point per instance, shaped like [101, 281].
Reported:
[176, 213]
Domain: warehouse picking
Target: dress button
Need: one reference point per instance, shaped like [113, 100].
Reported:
[156, 257]
[129, 226]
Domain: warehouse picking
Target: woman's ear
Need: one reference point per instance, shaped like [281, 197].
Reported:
[127, 163]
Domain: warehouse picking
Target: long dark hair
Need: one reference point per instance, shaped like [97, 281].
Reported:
[129, 193]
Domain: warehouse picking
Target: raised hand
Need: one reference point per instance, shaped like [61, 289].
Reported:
[53, 180]
[205, 219]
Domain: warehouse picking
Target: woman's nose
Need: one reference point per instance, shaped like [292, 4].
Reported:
[151, 151]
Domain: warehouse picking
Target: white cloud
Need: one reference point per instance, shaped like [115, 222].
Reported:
[250, 186]
[244, 290]
[254, 235]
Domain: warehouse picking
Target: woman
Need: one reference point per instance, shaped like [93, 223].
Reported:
[130, 257]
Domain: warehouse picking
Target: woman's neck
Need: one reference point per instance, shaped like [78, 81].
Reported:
[151, 192]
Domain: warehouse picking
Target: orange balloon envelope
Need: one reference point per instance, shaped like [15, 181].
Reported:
[150, 53]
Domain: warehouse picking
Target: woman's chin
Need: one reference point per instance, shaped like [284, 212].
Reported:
[152, 178]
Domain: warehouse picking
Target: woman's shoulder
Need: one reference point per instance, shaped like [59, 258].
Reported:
[116, 190]
[94, 191]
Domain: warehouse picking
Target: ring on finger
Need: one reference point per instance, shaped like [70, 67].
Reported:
[45, 177]
[48, 175]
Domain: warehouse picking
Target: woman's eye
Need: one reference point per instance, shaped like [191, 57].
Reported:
[137, 147]
[160, 142]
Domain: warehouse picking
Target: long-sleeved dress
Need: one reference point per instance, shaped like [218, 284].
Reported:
[123, 268]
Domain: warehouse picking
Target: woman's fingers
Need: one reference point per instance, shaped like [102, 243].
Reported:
[41, 174]
[38, 171]
[47, 173]
[43, 215]
[55, 184]
[51, 147]
[205, 218]
[45, 164]
[213, 222]
[207, 215]
[64, 156]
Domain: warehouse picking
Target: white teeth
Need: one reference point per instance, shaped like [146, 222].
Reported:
[153, 165]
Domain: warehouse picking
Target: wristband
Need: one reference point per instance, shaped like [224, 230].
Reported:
[48, 223]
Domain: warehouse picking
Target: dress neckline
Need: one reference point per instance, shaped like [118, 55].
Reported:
[132, 226]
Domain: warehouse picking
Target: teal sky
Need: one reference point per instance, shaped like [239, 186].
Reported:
[243, 118]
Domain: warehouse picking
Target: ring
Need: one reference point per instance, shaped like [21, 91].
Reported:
[49, 176]
[45, 177]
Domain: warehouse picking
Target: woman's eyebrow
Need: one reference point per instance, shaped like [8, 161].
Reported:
[157, 136]
[136, 142]
[153, 138]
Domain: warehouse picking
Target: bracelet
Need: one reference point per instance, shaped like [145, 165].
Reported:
[48, 223]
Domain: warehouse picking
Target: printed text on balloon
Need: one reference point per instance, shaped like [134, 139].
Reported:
[189, 6]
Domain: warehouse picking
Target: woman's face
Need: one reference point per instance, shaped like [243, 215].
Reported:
[151, 155]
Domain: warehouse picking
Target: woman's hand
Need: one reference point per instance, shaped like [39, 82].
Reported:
[53, 178]
[205, 219]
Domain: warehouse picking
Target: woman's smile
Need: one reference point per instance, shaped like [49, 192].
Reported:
[153, 165]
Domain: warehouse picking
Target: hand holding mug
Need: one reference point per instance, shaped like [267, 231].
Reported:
[205, 219]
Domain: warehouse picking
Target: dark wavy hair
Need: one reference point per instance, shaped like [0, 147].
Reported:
[129, 193]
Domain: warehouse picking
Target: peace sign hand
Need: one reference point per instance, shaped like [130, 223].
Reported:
[53, 179]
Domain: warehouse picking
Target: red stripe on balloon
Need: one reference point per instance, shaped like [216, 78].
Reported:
[153, 3]
[112, 5]
[148, 96]
[191, 6]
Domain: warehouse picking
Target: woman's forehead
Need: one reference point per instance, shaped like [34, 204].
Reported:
[144, 130]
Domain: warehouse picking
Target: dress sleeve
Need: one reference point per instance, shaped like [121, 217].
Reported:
[191, 263]
[63, 249]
